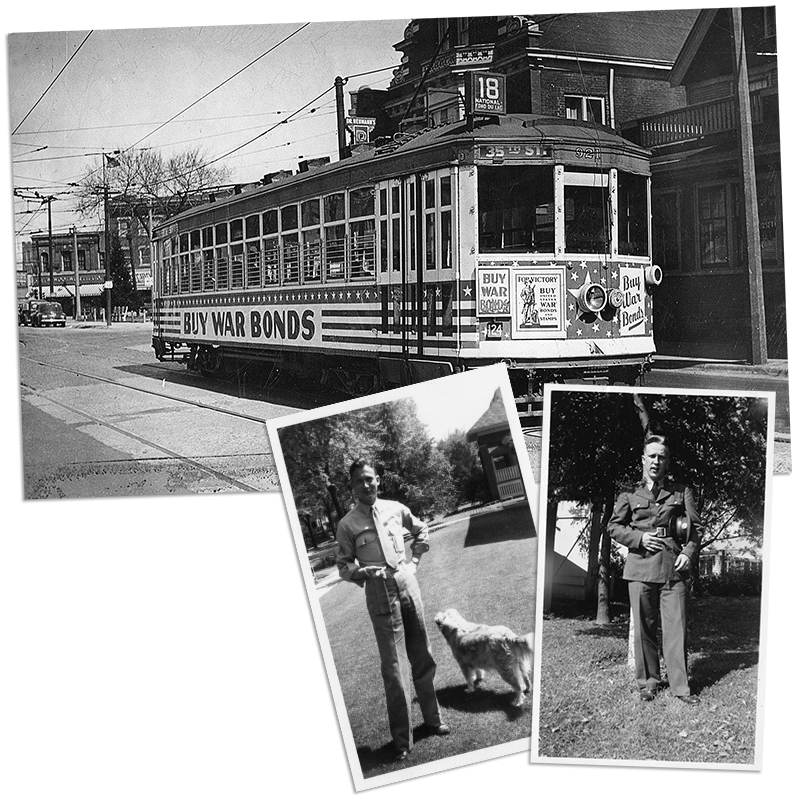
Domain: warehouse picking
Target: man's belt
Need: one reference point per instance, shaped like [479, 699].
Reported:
[677, 528]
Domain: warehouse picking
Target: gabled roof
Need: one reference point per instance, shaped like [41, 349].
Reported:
[692, 45]
[654, 36]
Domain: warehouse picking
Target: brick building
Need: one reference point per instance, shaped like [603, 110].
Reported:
[610, 67]
[91, 270]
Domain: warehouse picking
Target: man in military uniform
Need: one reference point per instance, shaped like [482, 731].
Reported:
[372, 555]
[658, 523]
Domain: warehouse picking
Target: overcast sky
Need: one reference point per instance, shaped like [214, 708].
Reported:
[123, 84]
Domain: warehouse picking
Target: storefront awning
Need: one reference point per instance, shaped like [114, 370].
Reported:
[87, 290]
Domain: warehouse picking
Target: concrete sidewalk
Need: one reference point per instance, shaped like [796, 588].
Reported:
[775, 367]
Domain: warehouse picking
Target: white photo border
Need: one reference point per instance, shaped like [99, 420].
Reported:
[495, 375]
[549, 389]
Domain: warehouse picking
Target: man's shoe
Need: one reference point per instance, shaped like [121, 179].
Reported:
[401, 755]
[439, 730]
[689, 699]
[646, 695]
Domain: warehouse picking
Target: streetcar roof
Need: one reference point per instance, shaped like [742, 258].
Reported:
[426, 149]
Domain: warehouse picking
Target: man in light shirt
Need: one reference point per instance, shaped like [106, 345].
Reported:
[658, 522]
[372, 555]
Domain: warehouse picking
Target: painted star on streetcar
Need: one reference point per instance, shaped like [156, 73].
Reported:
[576, 292]
[467, 291]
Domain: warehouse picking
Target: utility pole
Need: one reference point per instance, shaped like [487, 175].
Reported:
[106, 245]
[50, 243]
[758, 325]
[77, 277]
[341, 129]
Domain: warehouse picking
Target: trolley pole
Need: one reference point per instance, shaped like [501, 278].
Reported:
[758, 324]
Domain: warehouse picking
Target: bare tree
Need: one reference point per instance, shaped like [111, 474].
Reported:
[147, 185]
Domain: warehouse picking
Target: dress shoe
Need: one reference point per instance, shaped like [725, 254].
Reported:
[401, 755]
[439, 730]
[689, 699]
[646, 695]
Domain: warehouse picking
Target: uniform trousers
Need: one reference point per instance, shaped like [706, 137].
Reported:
[398, 618]
[647, 599]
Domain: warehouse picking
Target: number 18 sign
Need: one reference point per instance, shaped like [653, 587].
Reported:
[487, 93]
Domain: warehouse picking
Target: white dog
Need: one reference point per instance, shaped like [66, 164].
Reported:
[479, 648]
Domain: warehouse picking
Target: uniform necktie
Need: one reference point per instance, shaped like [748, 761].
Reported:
[655, 490]
[389, 553]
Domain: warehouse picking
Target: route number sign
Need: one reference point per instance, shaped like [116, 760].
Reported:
[486, 93]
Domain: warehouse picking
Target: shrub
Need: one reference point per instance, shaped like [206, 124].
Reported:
[732, 584]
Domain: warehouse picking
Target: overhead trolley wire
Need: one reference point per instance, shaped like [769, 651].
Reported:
[41, 97]
[227, 80]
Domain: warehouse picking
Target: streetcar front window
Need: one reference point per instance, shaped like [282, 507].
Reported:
[586, 219]
[632, 214]
[516, 209]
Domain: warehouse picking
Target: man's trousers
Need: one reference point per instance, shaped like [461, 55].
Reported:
[647, 599]
[398, 618]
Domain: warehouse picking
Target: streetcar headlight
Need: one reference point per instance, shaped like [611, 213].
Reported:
[615, 298]
[592, 298]
[653, 275]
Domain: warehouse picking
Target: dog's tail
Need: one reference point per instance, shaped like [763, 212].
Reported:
[523, 646]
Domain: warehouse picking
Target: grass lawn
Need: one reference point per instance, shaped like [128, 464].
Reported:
[590, 705]
[484, 566]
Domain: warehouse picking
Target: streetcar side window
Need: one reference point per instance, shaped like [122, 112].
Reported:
[270, 221]
[223, 273]
[362, 233]
[516, 207]
[290, 244]
[334, 235]
[312, 240]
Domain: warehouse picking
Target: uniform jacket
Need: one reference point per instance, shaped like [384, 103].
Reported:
[637, 512]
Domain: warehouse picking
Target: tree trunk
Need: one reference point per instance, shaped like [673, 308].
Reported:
[604, 572]
[590, 583]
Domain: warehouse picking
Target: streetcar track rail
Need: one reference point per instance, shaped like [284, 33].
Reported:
[143, 390]
[221, 476]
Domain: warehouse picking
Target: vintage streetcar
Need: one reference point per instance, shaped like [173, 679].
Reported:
[519, 240]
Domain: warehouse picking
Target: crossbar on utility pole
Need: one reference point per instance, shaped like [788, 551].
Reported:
[755, 282]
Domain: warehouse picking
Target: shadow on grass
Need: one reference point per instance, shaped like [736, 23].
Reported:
[505, 526]
[480, 701]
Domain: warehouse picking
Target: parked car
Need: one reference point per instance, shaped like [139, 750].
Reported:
[26, 309]
[48, 314]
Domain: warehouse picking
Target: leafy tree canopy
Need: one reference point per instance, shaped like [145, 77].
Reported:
[718, 448]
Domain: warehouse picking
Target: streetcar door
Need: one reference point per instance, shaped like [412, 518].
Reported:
[392, 208]
[439, 260]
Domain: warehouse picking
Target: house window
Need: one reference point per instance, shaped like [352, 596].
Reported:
[588, 109]
[666, 231]
[718, 225]
[66, 261]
